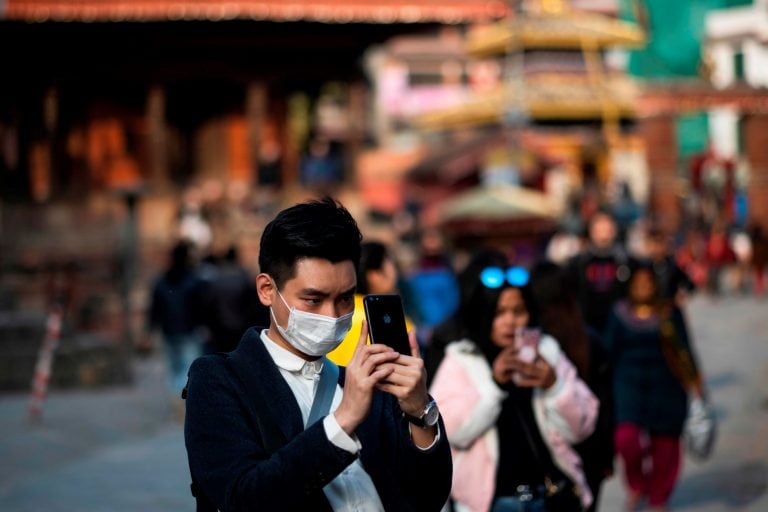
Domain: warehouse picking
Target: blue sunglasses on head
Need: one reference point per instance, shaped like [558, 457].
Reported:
[494, 277]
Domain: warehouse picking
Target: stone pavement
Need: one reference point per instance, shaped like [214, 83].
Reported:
[121, 450]
[117, 449]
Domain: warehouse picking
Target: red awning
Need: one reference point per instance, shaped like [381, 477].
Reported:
[324, 11]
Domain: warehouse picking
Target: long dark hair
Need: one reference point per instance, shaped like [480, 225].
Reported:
[477, 309]
[560, 315]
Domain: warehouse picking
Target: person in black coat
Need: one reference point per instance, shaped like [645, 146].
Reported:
[250, 444]
[599, 273]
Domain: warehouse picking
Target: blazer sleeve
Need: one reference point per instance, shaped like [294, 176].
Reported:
[241, 461]
[423, 477]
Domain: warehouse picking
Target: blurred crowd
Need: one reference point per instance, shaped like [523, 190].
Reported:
[604, 303]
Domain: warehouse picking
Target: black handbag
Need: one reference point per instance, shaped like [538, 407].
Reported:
[559, 495]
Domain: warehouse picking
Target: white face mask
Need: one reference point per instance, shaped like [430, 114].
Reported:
[312, 334]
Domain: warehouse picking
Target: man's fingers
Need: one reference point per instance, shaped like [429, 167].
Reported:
[375, 359]
[363, 339]
[392, 389]
[415, 351]
[381, 373]
[403, 375]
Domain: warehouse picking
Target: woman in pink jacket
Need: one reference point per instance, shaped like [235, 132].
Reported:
[512, 420]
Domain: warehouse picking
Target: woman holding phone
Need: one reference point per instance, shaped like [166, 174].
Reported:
[512, 422]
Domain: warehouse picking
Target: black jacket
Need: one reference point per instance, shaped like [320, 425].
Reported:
[248, 449]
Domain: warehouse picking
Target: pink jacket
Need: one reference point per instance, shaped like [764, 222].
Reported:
[470, 403]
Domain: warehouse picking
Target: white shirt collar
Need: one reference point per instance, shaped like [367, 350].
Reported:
[289, 361]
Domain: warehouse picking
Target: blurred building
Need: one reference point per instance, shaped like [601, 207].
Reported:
[703, 109]
[539, 100]
[125, 125]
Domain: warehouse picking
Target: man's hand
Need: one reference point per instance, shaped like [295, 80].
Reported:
[408, 380]
[408, 383]
[365, 370]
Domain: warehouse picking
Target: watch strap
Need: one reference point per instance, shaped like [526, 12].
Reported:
[420, 421]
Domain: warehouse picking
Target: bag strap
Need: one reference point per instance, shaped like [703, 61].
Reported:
[548, 482]
[326, 389]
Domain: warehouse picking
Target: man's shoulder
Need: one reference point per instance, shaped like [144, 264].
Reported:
[210, 364]
[247, 348]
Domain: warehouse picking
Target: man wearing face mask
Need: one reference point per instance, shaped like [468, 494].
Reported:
[274, 425]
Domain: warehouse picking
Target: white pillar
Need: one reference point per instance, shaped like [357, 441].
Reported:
[724, 131]
[723, 73]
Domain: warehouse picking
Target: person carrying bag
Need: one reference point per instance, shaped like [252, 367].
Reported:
[700, 428]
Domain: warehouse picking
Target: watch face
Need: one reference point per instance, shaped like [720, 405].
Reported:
[431, 414]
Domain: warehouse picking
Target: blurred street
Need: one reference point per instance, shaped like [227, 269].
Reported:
[120, 449]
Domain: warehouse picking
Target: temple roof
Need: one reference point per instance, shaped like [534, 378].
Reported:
[325, 11]
[570, 29]
[560, 97]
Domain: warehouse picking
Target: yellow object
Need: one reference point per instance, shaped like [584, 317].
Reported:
[343, 353]
[554, 30]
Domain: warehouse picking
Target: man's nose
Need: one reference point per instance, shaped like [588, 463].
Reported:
[331, 309]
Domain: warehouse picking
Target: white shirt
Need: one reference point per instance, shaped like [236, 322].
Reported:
[352, 490]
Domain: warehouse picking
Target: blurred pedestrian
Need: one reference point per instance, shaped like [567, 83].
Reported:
[691, 257]
[432, 286]
[560, 317]
[599, 273]
[673, 282]
[228, 303]
[321, 166]
[172, 312]
[625, 211]
[376, 273]
[718, 255]
[649, 399]
[512, 420]
[741, 246]
[759, 257]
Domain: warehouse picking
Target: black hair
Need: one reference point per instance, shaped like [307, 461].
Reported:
[560, 315]
[372, 257]
[477, 308]
[180, 261]
[320, 228]
[643, 265]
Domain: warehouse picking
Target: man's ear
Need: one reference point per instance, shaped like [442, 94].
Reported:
[265, 287]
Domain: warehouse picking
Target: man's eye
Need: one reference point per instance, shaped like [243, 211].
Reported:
[313, 301]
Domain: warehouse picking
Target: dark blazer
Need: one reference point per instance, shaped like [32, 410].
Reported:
[248, 449]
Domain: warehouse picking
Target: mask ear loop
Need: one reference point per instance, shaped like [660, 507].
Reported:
[285, 303]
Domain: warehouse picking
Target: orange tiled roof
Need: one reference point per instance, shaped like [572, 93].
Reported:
[325, 11]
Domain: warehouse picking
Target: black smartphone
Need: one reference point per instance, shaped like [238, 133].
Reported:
[386, 321]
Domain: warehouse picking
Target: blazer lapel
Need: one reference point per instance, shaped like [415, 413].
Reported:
[265, 385]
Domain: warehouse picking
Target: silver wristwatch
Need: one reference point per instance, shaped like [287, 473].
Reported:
[428, 418]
